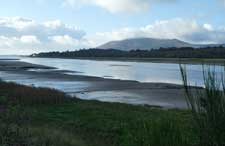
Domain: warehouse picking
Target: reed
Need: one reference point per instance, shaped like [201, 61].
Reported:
[27, 95]
[207, 106]
[163, 130]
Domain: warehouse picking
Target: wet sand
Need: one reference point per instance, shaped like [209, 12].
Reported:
[94, 88]
[16, 65]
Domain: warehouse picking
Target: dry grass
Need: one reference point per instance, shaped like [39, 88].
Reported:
[31, 95]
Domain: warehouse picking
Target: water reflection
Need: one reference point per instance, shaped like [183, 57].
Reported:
[138, 71]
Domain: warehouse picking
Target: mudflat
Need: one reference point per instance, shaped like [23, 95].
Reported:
[16, 65]
[94, 88]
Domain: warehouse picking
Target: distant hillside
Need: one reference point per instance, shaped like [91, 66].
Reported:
[148, 44]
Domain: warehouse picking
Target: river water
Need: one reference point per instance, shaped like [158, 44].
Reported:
[125, 70]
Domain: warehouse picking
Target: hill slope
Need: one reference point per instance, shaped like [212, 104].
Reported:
[148, 44]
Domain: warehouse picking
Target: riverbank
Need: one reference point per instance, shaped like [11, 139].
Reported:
[94, 88]
[41, 116]
[16, 65]
[194, 61]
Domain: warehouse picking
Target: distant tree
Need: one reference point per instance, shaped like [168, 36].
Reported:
[185, 52]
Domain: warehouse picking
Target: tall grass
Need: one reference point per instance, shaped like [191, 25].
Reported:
[207, 106]
[15, 119]
[11, 130]
[27, 95]
[164, 130]
[16, 130]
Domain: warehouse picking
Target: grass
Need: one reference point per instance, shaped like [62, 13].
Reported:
[17, 103]
[162, 131]
[118, 124]
[208, 107]
[39, 116]
[31, 95]
[16, 130]
[32, 116]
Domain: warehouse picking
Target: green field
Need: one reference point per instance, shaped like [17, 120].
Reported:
[33, 120]
[31, 116]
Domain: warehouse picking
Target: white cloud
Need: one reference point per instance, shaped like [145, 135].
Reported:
[115, 6]
[25, 36]
[29, 39]
[72, 3]
[124, 5]
[16, 26]
[18, 33]
[186, 30]
[64, 40]
[14, 45]
[208, 27]
[16, 22]
[53, 24]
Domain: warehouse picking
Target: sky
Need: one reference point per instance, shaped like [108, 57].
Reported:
[32, 26]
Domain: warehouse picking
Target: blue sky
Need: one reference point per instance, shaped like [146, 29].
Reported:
[28, 26]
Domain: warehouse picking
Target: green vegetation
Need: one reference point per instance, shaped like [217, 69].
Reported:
[187, 52]
[208, 107]
[16, 130]
[50, 121]
[31, 95]
[32, 116]
[209, 55]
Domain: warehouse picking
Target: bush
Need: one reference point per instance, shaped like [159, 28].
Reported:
[31, 95]
[3, 100]
[162, 131]
[16, 130]
[208, 107]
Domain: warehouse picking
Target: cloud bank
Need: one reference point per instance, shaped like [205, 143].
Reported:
[116, 6]
[186, 30]
[24, 36]
[27, 35]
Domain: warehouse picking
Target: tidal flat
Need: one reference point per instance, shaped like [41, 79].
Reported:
[94, 88]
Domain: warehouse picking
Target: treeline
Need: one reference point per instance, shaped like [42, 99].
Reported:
[187, 52]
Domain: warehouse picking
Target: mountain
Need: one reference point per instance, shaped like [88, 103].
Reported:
[148, 44]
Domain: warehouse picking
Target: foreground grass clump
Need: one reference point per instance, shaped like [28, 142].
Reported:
[162, 131]
[114, 124]
[208, 107]
[15, 130]
[55, 121]
[17, 103]
[31, 95]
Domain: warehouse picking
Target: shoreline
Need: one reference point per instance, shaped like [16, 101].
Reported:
[193, 61]
[51, 112]
[17, 65]
[95, 88]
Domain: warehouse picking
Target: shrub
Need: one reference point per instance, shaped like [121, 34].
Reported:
[31, 95]
[162, 131]
[3, 100]
[208, 107]
[15, 130]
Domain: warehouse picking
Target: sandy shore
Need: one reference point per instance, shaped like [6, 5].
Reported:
[94, 88]
[16, 65]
